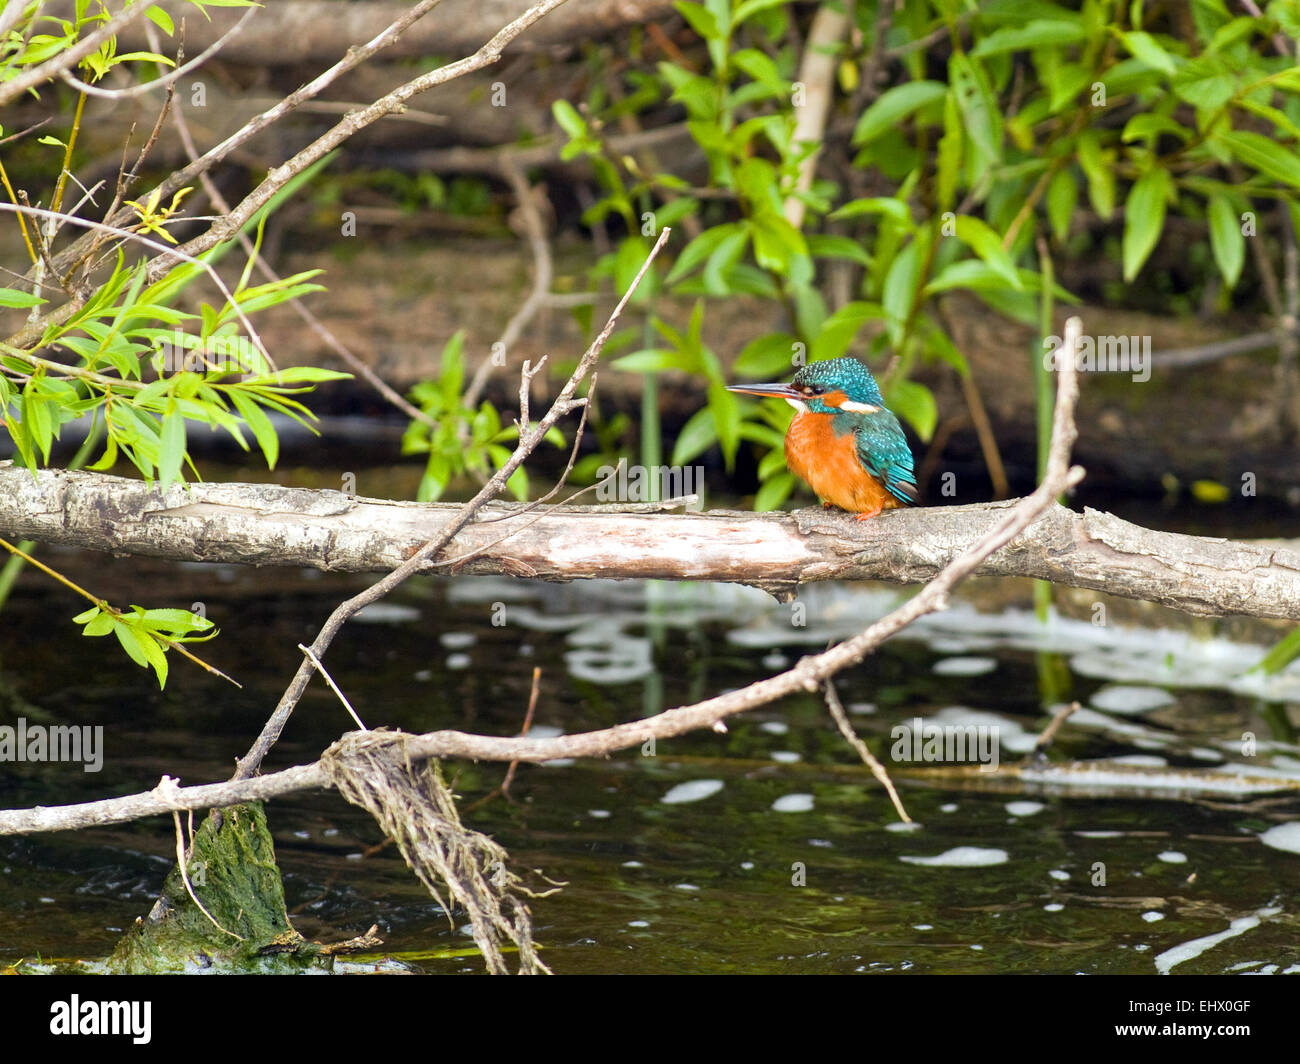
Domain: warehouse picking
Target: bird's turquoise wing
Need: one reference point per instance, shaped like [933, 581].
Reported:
[884, 451]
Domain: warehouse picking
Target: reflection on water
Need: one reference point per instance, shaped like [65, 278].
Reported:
[769, 848]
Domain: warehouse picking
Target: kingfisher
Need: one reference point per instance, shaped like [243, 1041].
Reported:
[844, 442]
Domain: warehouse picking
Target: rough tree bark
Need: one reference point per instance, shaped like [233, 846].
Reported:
[261, 524]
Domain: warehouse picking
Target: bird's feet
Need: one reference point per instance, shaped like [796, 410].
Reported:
[869, 514]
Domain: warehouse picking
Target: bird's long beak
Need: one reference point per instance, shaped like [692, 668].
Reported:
[774, 391]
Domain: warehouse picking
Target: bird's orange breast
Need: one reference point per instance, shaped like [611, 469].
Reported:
[830, 465]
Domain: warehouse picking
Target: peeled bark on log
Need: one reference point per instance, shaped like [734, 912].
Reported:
[262, 524]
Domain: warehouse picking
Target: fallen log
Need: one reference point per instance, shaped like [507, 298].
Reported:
[265, 524]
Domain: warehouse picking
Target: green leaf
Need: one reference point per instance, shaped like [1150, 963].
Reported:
[938, 345]
[11, 297]
[726, 421]
[1283, 653]
[173, 621]
[568, 119]
[654, 360]
[38, 419]
[130, 640]
[891, 208]
[776, 242]
[97, 621]
[915, 404]
[1226, 239]
[725, 256]
[161, 19]
[262, 429]
[980, 110]
[761, 68]
[767, 357]
[172, 448]
[985, 242]
[1062, 196]
[893, 106]
[300, 375]
[834, 246]
[155, 656]
[900, 290]
[773, 492]
[749, 8]
[1036, 34]
[696, 437]
[1266, 156]
[700, 249]
[1144, 218]
[1145, 47]
[1149, 125]
[700, 18]
[1098, 167]
[950, 155]
[1206, 82]
[841, 328]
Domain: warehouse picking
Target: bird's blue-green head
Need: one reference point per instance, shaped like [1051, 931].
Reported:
[838, 385]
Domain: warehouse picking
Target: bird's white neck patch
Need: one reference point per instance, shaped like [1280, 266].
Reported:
[859, 408]
[799, 406]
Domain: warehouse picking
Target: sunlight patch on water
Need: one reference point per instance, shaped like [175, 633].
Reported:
[960, 857]
[691, 791]
[1165, 962]
[1128, 699]
[1285, 837]
[965, 666]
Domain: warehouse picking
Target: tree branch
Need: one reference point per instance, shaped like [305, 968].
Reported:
[262, 524]
[29, 79]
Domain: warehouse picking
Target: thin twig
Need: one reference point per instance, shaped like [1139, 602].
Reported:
[333, 686]
[13, 88]
[167, 80]
[504, 788]
[183, 865]
[24, 132]
[543, 272]
[1049, 733]
[255, 125]
[846, 729]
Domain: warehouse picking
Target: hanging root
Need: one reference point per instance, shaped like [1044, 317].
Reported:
[417, 810]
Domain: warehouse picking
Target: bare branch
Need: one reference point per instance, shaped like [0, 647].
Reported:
[166, 79]
[245, 524]
[543, 271]
[13, 88]
[353, 58]
[841, 719]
